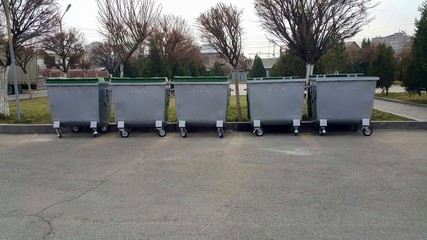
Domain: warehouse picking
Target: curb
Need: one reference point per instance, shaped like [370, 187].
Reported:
[173, 127]
[402, 102]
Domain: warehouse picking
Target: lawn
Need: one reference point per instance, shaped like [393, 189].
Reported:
[405, 97]
[37, 112]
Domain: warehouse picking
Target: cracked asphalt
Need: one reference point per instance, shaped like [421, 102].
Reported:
[339, 186]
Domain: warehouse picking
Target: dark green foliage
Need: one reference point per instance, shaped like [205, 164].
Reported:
[49, 60]
[360, 59]
[258, 69]
[191, 68]
[154, 66]
[132, 67]
[288, 65]
[415, 67]
[217, 70]
[335, 60]
[383, 65]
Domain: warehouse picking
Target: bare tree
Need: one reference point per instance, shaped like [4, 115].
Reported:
[85, 63]
[104, 56]
[174, 39]
[127, 24]
[221, 26]
[29, 20]
[24, 57]
[245, 64]
[68, 46]
[309, 27]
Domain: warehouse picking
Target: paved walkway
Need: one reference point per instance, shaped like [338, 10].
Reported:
[26, 95]
[418, 113]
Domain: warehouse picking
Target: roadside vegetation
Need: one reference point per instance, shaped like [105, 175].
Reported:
[405, 97]
[37, 111]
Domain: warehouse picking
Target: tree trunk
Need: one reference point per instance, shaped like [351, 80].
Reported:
[309, 71]
[386, 91]
[4, 104]
[239, 106]
[309, 68]
[121, 70]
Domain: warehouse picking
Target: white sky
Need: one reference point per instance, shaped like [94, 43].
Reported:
[390, 16]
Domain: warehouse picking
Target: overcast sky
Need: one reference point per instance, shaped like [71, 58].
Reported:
[390, 16]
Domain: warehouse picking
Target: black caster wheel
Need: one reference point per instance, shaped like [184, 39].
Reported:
[75, 129]
[124, 133]
[184, 132]
[367, 131]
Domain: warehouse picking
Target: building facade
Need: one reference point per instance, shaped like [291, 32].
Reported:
[399, 41]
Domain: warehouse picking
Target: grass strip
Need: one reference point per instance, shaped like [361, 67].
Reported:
[37, 111]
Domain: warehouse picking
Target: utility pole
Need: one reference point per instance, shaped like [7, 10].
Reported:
[12, 59]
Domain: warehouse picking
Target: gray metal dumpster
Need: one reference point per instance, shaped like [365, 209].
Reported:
[79, 102]
[201, 101]
[342, 99]
[275, 101]
[140, 102]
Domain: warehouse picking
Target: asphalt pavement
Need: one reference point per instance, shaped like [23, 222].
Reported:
[339, 186]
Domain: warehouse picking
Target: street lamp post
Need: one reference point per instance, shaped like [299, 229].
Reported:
[60, 20]
[62, 37]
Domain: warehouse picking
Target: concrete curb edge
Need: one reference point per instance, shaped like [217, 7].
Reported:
[172, 127]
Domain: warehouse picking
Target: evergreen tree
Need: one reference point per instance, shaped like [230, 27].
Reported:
[415, 69]
[383, 65]
[217, 70]
[154, 66]
[258, 69]
[359, 60]
[131, 67]
[288, 65]
[335, 60]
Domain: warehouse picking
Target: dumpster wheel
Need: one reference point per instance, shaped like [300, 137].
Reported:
[296, 131]
[183, 132]
[221, 132]
[322, 131]
[104, 129]
[259, 132]
[59, 132]
[367, 131]
[94, 132]
[124, 133]
[75, 129]
[161, 132]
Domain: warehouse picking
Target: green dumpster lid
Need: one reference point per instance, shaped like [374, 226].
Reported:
[75, 80]
[338, 75]
[140, 80]
[201, 79]
[275, 78]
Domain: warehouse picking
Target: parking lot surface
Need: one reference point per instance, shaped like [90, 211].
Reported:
[338, 186]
